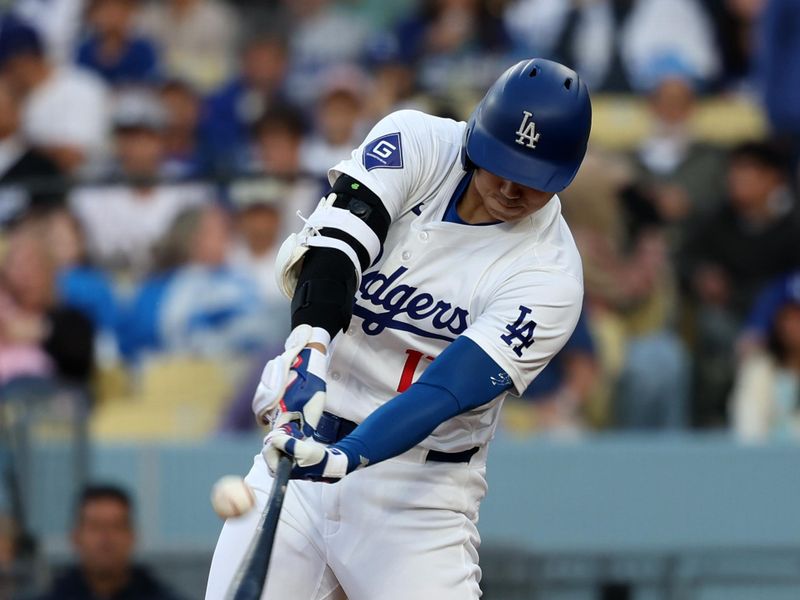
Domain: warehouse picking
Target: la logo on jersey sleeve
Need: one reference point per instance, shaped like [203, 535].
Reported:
[386, 152]
[520, 333]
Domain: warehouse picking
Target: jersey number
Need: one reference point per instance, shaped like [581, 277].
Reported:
[412, 362]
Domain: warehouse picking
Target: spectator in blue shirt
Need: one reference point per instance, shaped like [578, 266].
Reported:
[113, 49]
[231, 111]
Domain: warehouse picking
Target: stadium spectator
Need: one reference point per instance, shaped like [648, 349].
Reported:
[230, 112]
[81, 285]
[112, 47]
[194, 303]
[123, 220]
[560, 393]
[103, 537]
[678, 173]
[764, 401]
[197, 39]
[748, 241]
[778, 64]
[339, 126]
[455, 45]
[630, 295]
[78, 97]
[188, 153]
[323, 35]
[278, 140]
[393, 80]
[39, 336]
[258, 213]
[25, 173]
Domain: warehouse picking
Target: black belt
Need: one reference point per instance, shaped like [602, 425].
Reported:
[332, 428]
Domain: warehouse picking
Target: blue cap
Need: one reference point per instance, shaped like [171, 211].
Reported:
[532, 127]
[16, 38]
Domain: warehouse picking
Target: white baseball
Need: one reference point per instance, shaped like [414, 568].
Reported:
[232, 497]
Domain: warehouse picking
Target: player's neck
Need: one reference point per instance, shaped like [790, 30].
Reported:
[471, 209]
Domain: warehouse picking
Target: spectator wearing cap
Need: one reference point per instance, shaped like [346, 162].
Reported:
[749, 240]
[26, 174]
[765, 402]
[113, 49]
[338, 118]
[123, 220]
[677, 173]
[79, 99]
[197, 39]
[258, 213]
[231, 111]
[104, 537]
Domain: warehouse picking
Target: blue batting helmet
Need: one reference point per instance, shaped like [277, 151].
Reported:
[532, 126]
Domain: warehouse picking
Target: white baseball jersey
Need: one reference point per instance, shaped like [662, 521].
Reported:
[515, 289]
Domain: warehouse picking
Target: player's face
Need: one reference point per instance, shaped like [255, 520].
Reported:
[505, 200]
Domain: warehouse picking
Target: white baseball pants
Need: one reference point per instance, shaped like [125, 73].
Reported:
[397, 530]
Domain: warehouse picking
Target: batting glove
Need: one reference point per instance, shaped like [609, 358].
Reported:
[292, 385]
[312, 460]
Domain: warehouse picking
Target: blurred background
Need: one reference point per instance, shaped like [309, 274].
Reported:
[153, 155]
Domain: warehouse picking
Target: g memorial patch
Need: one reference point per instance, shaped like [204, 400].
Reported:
[385, 152]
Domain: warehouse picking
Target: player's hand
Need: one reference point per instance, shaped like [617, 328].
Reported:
[292, 385]
[312, 460]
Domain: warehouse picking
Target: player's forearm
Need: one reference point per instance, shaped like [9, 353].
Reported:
[343, 237]
[462, 378]
[325, 291]
[399, 425]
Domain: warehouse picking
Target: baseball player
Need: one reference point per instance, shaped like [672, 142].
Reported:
[435, 278]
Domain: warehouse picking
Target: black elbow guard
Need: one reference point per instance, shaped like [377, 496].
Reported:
[328, 279]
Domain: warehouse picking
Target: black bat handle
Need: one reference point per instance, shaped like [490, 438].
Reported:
[252, 582]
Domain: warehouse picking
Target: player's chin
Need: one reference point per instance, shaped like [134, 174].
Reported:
[506, 211]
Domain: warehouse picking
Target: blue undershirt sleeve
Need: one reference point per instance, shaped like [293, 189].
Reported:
[461, 378]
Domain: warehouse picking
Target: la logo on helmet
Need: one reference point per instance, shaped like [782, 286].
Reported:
[526, 134]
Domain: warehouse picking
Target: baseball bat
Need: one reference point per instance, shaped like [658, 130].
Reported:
[252, 574]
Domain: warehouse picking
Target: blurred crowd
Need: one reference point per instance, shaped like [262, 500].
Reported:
[153, 155]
